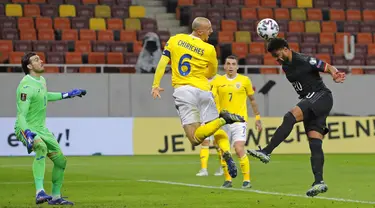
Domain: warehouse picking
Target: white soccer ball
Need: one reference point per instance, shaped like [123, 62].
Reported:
[268, 29]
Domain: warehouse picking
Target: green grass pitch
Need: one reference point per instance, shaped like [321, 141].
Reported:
[170, 181]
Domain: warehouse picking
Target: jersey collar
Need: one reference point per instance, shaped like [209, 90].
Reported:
[231, 78]
[195, 37]
[31, 77]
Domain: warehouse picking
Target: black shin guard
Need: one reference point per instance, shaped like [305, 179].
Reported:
[317, 158]
[281, 133]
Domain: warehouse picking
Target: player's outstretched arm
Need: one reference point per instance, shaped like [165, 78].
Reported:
[53, 96]
[159, 73]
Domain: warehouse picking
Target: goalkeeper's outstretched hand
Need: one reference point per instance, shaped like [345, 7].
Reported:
[74, 93]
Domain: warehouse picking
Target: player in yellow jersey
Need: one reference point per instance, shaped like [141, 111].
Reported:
[232, 90]
[205, 146]
[193, 62]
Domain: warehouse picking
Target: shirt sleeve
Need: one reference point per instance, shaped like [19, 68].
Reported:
[167, 48]
[53, 96]
[317, 64]
[160, 70]
[25, 94]
[213, 64]
[249, 87]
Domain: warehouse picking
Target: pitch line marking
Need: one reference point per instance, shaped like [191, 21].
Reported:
[258, 191]
[87, 181]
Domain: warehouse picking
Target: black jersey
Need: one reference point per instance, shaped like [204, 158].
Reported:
[303, 73]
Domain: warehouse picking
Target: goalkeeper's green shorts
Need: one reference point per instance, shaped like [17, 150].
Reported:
[41, 133]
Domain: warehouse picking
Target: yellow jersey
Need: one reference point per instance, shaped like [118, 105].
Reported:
[213, 83]
[192, 60]
[232, 93]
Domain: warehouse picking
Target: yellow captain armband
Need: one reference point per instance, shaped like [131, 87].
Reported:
[257, 117]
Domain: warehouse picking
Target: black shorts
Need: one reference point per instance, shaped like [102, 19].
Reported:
[316, 107]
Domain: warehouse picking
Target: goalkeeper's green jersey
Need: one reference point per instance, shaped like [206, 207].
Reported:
[32, 100]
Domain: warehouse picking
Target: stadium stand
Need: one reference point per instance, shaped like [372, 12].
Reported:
[80, 31]
[312, 27]
[74, 32]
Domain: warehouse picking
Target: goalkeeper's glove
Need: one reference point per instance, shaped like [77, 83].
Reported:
[73, 93]
[29, 140]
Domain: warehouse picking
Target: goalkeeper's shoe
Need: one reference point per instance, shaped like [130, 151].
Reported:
[260, 154]
[227, 184]
[232, 169]
[231, 118]
[202, 172]
[60, 201]
[246, 184]
[317, 188]
[42, 197]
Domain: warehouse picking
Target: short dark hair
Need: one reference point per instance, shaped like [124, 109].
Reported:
[232, 57]
[276, 44]
[26, 61]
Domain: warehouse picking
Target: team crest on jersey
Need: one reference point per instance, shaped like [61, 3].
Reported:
[23, 96]
[238, 85]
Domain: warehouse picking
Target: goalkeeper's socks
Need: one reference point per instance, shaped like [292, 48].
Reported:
[204, 154]
[39, 164]
[55, 197]
[59, 164]
[208, 129]
[317, 158]
[281, 133]
[245, 167]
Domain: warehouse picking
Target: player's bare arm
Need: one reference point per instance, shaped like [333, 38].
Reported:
[338, 77]
[254, 106]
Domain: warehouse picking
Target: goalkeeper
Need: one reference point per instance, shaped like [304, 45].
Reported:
[30, 129]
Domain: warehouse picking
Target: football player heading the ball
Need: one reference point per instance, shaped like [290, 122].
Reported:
[303, 72]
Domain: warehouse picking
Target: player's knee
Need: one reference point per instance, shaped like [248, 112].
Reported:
[289, 118]
[195, 142]
[65, 161]
[58, 159]
[206, 142]
[62, 163]
[40, 147]
[240, 149]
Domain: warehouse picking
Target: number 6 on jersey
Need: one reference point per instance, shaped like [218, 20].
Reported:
[184, 66]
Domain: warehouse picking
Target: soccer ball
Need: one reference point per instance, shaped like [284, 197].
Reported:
[267, 29]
